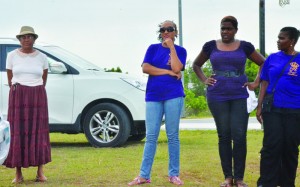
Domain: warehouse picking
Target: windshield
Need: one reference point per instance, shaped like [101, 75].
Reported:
[67, 56]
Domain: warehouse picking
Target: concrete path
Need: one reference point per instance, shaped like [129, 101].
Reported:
[209, 124]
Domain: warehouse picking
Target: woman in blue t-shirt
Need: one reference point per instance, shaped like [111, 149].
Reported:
[227, 96]
[279, 154]
[163, 63]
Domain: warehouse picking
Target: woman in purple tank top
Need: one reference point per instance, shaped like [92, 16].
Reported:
[227, 96]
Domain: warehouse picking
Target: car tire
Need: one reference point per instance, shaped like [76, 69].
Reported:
[138, 137]
[106, 125]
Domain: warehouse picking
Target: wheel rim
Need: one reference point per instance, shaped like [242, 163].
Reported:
[104, 126]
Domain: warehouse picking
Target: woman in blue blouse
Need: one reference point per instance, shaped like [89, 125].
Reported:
[279, 154]
[227, 96]
[163, 63]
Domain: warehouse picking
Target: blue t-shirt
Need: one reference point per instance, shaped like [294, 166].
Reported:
[287, 89]
[228, 88]
[163, 87]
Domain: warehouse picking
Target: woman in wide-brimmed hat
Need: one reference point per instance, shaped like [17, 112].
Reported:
[27, 71]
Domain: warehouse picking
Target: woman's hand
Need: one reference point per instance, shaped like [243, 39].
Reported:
[251, 85]
[177, 75]
[258, 114]
[168, 42]
[210, 81]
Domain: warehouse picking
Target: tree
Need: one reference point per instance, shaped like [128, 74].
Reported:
[118, 69]
[195, 100]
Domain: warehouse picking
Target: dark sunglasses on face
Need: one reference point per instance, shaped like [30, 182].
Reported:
[168, 29]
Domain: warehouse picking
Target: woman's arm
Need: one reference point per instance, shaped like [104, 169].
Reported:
[258, 59]
[176, 64]
[45, 75]
[152, 70]
[262, 92]
[9, 76]
[197, 67]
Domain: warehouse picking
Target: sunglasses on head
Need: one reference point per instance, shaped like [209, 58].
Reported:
[168, 29]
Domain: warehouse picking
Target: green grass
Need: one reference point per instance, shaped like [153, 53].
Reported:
[76, 163]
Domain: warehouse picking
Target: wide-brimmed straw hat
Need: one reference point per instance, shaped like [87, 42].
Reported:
[27, 30]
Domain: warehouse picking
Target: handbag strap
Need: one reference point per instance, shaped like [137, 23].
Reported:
[282, 71]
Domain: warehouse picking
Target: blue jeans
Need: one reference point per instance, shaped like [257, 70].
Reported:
[154, 114]
[231, 118]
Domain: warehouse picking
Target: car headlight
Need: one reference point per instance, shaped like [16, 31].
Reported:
[139, 84]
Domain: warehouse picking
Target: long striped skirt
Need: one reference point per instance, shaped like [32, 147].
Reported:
[28, 118]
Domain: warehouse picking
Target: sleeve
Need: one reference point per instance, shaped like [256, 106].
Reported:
[248, 48]
[208, 47]
[265, 69]
[9, 63]
[149, 54]
[45, 62]
[182, 57]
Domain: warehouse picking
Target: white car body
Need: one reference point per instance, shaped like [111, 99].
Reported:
[75, 86]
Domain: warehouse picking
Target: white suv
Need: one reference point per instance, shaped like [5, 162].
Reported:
[108, 107]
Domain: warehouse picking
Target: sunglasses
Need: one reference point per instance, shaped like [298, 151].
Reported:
[168, 29]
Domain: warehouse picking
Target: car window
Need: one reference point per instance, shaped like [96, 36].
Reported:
[6, 50]
[13, 47]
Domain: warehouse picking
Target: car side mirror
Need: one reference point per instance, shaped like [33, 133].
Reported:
[57, 68]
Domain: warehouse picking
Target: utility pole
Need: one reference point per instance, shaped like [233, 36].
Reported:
[180, 22]
[262, 27]
[181, 44]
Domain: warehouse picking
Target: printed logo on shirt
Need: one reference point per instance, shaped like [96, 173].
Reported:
[293, 69]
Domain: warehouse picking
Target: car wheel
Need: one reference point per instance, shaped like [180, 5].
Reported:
[106, 125]
[138, 137]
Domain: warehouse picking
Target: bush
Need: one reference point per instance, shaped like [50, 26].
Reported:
[194, 104]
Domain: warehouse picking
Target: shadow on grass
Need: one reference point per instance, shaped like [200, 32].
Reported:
[87, 144]
[133, 143]
[70, 144]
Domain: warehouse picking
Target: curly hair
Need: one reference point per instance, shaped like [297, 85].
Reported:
[160, 25]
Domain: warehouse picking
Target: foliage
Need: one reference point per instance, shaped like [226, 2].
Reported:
[195, 90]
[118, 70]
[194, 104]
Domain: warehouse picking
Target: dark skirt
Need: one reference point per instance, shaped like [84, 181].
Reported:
[28, 118]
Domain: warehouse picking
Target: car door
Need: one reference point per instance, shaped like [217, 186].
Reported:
[59, 89]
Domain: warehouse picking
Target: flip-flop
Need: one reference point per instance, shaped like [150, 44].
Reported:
[241, 183]
[40, 179]
[17, 181]
[227, 183]
[138, 181]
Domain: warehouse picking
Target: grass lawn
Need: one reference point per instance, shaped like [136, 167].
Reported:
[76, 163]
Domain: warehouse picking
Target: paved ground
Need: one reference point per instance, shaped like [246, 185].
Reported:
[209, 124]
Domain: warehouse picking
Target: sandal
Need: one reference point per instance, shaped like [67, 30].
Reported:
[40, 179]
[227, 183]
[17, 181]
[240, 183]
[139, 180]
[175, 180]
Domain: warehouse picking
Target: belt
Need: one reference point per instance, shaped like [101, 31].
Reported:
[228, 73]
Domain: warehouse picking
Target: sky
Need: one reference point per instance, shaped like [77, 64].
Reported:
[117, 33]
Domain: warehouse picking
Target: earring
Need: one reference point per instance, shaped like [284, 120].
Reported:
[291, 45]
